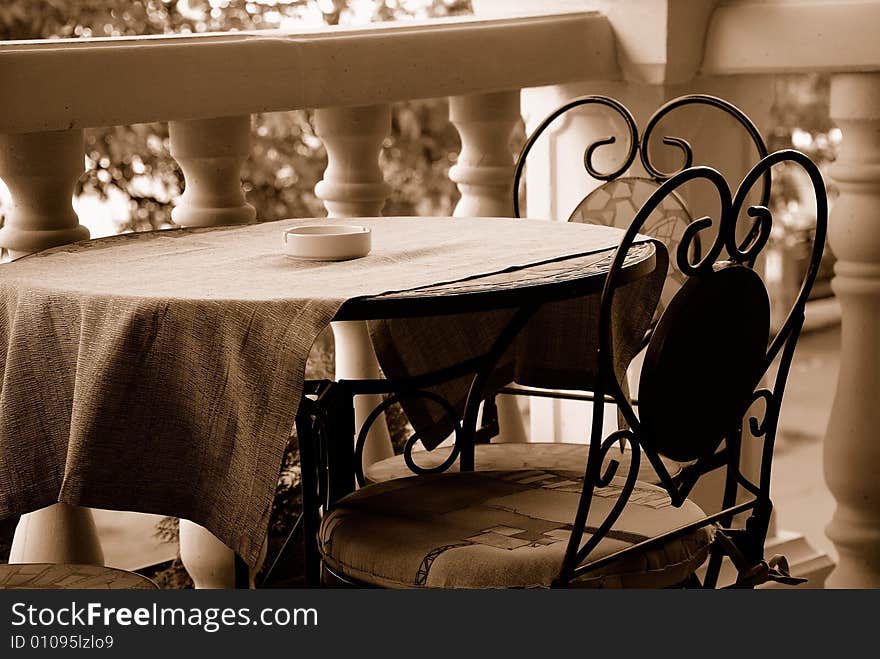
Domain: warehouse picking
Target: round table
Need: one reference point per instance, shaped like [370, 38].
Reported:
[176, 357]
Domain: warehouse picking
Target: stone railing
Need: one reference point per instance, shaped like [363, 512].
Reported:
[641, 51]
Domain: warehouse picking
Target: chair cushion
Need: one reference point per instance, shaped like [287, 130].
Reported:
[507, 457]
[31, 576]
[501, 529]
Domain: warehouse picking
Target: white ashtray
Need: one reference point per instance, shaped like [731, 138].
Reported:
[327, 242]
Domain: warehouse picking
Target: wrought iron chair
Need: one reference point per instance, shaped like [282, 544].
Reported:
[594, 527]
[613, 203]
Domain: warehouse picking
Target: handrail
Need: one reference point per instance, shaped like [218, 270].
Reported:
[52, 85]
[789, 37]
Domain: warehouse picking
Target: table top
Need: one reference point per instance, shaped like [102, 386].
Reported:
[246, 263]
[161, 372]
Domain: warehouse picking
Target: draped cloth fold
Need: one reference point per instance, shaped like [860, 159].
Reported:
[555, 350]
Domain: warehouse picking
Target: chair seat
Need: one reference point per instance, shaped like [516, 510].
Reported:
[501, 529]
[32, 576]
[507, 457]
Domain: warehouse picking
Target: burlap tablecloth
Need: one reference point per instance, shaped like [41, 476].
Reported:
[161, 372]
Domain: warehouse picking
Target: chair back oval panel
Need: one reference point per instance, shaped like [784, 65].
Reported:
[615, 203]
[704, 361]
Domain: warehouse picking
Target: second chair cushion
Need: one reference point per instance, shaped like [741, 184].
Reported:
[554, 456]
[501, 529]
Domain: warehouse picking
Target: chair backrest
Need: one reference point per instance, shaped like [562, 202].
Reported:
[706, 358]
[617, 199]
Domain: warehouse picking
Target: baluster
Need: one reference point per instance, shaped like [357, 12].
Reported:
[210, 563]
[484, 174]
[851, 449]
[210, 153]
[484, 171]
[57, 534]
[41, 171]
[353, 185]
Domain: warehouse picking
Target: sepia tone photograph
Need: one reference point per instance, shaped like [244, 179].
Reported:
[438, 295]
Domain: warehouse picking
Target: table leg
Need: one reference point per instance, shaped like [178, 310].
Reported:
[312, 473]
[59, 533]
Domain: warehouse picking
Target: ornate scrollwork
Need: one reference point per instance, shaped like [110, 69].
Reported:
[742, 252]
[723, 247]
[620, 438]
[620, 109]
[794, 319]
[641, 144]
[685, 147]
[758, 428]
[597, 457]
[449, 412]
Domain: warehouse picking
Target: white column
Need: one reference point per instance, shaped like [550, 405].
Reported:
[210, 563]
[41, 171]
[210, 153]
[484, 174]
[852, 449]
[354, 185]
[57, 534]
[484, 170]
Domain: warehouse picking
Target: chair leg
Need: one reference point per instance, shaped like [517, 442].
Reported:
[281, 552]
[713, 570]
[242, 578]
[716, 556]
[311, 502]
[337, 406]
[693, 581]
[327, 461]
